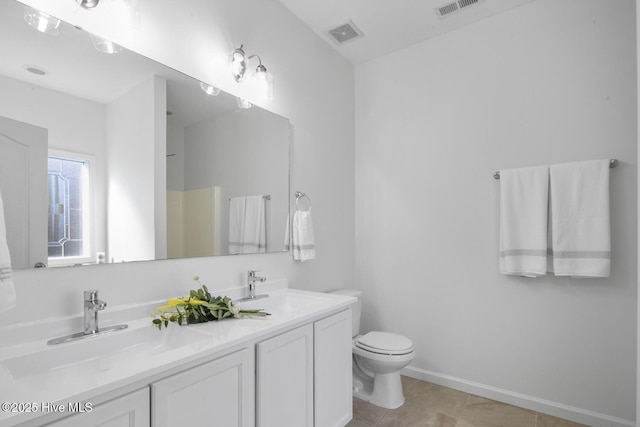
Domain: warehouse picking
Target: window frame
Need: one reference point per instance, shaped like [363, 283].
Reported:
[88, 205]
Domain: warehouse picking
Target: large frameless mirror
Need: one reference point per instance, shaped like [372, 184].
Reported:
[117, 158]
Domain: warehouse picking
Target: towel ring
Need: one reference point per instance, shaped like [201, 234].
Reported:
[300, 195]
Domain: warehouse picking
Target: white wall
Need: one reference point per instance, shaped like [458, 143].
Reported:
[131, 154]
[313, 88]
[548, 82]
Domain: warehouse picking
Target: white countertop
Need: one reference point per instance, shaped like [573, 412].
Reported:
[34, 389]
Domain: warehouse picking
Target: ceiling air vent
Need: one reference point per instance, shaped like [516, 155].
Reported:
[454, 7]
[345, 32]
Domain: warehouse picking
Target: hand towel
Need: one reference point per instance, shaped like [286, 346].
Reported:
[524, 195]
[303, 239]
[7, 290]
[236, 224]
[255, 234]
[247, 225]
[580, 225]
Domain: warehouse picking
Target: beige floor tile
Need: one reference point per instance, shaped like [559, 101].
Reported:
[544, 420]
[481, 412]
[367, 413]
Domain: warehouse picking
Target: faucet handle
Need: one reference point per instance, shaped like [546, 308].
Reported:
[252, 273]
[91, 295]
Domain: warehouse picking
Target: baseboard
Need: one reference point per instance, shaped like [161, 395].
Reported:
[571, 413]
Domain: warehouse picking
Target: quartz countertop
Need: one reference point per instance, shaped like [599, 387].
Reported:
[36, 388]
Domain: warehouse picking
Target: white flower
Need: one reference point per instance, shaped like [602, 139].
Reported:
[234, 310]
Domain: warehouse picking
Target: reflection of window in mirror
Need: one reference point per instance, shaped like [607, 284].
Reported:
[69, 215]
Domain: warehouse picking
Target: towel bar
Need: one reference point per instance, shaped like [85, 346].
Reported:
[612, 164]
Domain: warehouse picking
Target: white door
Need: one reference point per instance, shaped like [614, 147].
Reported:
[217, 393]
[284, 395]
[332, 365]
[131, 410]
[23, 187]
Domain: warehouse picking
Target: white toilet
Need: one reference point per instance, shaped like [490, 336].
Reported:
[378, 358]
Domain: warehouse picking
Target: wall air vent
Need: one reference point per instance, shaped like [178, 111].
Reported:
[345, 32]
[452, 8]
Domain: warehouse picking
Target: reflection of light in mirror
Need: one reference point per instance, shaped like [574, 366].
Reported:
[243, 103]
[104, 45]
[209, 90]
[42, 22]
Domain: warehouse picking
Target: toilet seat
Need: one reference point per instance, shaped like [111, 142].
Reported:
[384, 343]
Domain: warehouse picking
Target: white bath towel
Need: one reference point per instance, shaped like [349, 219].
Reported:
[303, 238]
[524, 195]
[7, 290]
[247, 225]
[580, 226]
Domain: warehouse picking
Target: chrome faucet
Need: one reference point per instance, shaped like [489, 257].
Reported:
[92, 305]
[252, 279]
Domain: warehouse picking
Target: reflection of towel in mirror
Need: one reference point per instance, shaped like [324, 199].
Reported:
[580, 226]
[7, 291]
[247, 225]
[303, 239]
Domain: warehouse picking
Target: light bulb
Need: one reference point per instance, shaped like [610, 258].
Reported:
[104, 45]
[238, 64]
[243, 103]
[264, 82]
[209, 90]
[42, 22]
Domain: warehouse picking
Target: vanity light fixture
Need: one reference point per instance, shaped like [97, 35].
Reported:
[88, 4]
[262, 78]
[209, 90]
[41, 21]
[105, 46]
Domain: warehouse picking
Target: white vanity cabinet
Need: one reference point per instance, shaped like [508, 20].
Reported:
[303, 376]
[131, 410]
[332, 370]
[284, 379]
[220, 392]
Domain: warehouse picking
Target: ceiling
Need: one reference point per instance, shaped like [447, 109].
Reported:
[390, 25]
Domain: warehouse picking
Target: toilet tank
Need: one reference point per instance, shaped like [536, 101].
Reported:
[356, 308]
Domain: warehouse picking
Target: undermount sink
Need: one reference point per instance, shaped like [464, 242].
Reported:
[283, 303]
[102, 352]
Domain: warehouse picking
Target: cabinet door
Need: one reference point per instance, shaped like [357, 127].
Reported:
[220, 393]
[131, 410]
[285, 379]
[332, 370]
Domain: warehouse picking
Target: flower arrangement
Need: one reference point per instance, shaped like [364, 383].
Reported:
[199, 307]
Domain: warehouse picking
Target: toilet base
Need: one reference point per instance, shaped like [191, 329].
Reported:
[385, 390]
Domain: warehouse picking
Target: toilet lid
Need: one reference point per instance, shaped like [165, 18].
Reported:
[385, 343]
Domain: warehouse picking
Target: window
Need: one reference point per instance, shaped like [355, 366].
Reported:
[69, 208]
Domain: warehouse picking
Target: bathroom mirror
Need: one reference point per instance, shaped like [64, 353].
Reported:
[117, 158]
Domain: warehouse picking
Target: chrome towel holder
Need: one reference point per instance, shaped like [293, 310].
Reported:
[612, 164]
[299, 196]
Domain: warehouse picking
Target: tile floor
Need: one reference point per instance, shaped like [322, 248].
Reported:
[430, 405]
